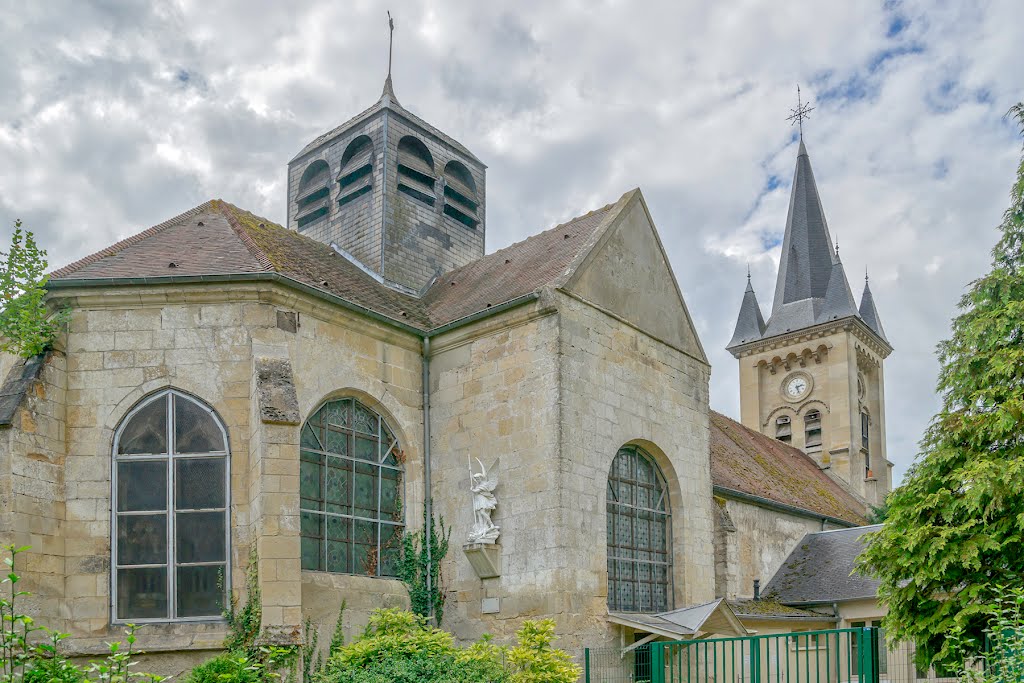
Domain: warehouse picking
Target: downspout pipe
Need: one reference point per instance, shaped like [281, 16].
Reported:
[428, 513]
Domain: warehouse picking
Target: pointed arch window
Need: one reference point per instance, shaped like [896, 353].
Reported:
[350, 481]
[170, 524]
[639, 535]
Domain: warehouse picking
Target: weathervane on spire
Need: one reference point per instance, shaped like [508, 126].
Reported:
[391, 40]
[802, 111]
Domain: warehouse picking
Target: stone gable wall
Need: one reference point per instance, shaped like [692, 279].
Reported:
[620, 386]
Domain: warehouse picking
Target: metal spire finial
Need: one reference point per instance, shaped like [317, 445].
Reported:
[865, 275]
[391, 40]
[802, 111]
[748, 271]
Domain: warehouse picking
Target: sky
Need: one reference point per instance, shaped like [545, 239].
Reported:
[118, 115]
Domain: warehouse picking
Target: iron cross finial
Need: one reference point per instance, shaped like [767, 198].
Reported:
[391, 40]
[802, 111]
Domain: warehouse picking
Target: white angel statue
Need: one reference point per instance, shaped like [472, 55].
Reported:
[484, 502]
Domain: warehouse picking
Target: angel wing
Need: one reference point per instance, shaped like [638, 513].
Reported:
[490, 475]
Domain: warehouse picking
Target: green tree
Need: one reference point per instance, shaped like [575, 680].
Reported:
[953, 530]
[27, 327]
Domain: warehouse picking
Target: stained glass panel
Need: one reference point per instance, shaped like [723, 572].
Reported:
[199, 483]
[199, 591]
[146, 431]
[142, 485]
[639, 564]
[349, 501]
[195, 430]
[142, 593]
[142, 539]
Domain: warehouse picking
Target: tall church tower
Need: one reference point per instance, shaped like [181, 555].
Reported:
[812, 376]
[391, 192]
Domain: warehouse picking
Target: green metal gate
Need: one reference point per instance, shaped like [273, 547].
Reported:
[847, 655]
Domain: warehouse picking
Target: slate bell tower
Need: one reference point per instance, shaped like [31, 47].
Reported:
[391, 192]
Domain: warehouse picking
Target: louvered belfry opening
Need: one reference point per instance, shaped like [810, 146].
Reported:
[460, 197]
[356, 177]
[416, 170]
[314, 192]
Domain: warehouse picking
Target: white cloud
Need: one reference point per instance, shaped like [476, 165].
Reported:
[117, 117]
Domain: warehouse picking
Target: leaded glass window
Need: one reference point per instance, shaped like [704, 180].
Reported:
[639, 535]
[350, 487]
[170, 526]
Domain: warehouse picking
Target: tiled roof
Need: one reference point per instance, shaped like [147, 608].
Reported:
[769, 608]
[218, 238]
[749, 462]
[198, 242]
[514, 271]
[821, 569]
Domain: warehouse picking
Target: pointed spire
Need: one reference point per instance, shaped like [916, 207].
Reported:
[806, 263]
[750, 323]
[839, 301]
[868, 312]
[388, 94]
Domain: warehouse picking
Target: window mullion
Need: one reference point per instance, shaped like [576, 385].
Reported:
[380, 480]
[172, 583]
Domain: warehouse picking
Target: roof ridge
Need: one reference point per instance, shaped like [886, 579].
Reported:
[228, 210]
[127, 242]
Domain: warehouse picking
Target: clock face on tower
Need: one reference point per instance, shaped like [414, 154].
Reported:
[796, 386]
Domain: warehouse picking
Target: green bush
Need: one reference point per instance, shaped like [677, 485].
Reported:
[225, 668]
[26, 658]
[400, 647]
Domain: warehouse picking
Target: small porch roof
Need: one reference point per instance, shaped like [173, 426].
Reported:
[688, 623]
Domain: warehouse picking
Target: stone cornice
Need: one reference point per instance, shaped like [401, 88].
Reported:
[851, 324]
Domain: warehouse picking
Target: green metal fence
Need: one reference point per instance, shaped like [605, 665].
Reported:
[836, 656]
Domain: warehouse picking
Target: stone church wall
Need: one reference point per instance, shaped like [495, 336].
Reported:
[32, 487]
[124, 344]
[752, 542]
[494, 393]
[620, 386]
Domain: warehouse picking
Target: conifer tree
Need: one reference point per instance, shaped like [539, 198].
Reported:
[953, 533]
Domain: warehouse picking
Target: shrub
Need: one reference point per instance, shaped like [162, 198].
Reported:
[26, 657]
[401, 647]
[535, 660]
[225, 668]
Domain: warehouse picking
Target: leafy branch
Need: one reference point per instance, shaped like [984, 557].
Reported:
[27, 327]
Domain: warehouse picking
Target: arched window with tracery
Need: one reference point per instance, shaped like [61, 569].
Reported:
[639, 535]
[171, 498]
[351, 491]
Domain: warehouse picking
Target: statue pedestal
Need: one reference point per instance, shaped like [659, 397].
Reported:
[485, 558]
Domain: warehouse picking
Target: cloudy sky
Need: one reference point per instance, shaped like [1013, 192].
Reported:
[118, 115]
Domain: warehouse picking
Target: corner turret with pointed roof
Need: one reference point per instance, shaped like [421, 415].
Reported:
[750, 323]
[391, 193]
[868, 312]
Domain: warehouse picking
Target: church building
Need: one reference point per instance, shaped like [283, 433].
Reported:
[231, 389]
